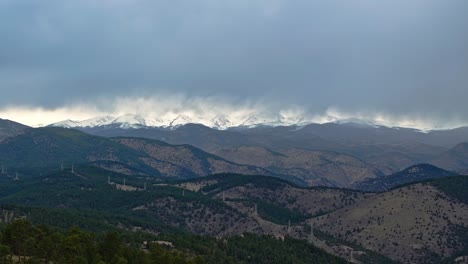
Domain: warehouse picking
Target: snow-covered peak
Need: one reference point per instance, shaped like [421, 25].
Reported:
[130, 121]
[96, 121]
[253, 121]
[66, 124]
[221, 122]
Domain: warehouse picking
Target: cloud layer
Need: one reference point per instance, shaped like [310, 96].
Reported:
[405, 60]
[167, 110]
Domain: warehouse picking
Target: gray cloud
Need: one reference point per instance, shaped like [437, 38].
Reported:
[394, 56]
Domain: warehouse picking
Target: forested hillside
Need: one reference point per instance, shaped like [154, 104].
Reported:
[23, 242]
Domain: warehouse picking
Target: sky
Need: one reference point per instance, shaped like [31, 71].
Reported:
[398, 61]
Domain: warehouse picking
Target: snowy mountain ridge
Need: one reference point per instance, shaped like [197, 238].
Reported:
[220, 122]
[138, 121]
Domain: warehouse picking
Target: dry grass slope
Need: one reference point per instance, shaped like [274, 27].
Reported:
[408, 224]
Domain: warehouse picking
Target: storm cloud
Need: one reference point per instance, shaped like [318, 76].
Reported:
[394, 58]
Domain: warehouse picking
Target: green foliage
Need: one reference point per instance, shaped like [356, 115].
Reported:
[279, 214]
[267, 249]
[94, 204]
[41, 244]
[455, 187]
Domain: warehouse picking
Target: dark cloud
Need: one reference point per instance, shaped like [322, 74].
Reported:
[396, 56]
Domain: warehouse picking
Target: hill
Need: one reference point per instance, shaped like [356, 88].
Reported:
[9, 128]
[415, 173]
[419, 223]
[47, 148]
[50, 148]
[178, 158]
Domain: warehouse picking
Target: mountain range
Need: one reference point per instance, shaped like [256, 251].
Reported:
[221, 122]
[337, 186]
[224, 122]
[341, 155]
[387, 149]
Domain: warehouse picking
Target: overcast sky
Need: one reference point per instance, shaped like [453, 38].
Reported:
[403, 59]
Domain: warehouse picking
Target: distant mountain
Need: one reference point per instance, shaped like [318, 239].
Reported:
[178, 160]
[220, 122]
[387, 149]
[366, 143]
[390, 149]
[342, 131]
[9, 128]
[454, 159]
[310, 166]
[415, 173]
[52, 147]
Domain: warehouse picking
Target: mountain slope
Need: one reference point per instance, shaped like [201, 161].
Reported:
[311, 166]
[9, 128]
[49, 148]
[419, 223]
[415, 173]
[273, 192]
[188, 157]
[454, 159]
